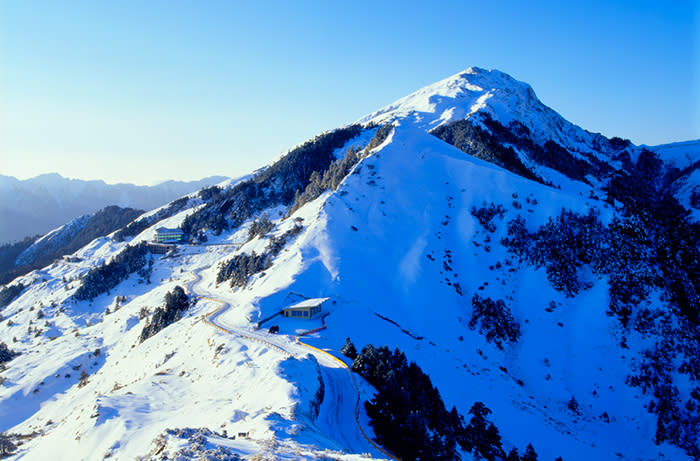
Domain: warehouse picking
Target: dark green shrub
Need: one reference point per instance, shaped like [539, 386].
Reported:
[10, 293]
[494, 319]
[176, 303]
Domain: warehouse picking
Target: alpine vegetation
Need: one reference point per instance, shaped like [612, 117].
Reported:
[134, 258]
[176, 303]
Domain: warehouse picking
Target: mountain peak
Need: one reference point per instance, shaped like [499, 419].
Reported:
[492, 93]
[455, 97]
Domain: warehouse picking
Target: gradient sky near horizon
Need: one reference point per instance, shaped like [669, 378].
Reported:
[141, 92]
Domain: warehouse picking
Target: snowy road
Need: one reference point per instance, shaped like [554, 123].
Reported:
[337, 418]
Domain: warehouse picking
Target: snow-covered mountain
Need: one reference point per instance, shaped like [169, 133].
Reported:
[543, 277]
[35, 206]
[684, 157]
[24, 256]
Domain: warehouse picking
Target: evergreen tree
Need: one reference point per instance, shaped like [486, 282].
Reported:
[7, 447]
[513, 455]
[349, 350]
[530, 454]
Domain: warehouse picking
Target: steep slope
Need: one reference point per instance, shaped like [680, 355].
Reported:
[683, 160]
[498, 95]
[507, 115]
[65, 240]
[77, 233]
[678, 154]
[576, 328]
[416, 256]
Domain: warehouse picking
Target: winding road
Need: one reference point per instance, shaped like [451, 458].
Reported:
[338, 417]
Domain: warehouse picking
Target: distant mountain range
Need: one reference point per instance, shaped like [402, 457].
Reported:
[35, 206]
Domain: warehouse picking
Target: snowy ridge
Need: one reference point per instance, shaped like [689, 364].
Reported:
[492, 92]
[678, 154]
[55, 238]
[400, 253]
[686, 157]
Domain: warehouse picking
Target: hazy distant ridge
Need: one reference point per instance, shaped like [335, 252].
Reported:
[37, 205]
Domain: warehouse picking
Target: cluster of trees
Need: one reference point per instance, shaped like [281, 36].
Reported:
[100, 279]
[379, 137]
[677, 422]
[260, 227]
[695, 199]
[292, 172]
[7, 446]
[239, 268]
[495, 320]
[9, 293]
[552, 154]
[327, 180]
[242, 266]
[6, 354]
[104, 222]
[562, 246]
[655, 249]
[176, 303]
[331, 178]
[409, 417]
[477, 142]
[276, 185]
[488, 144]
[276, 243]
[207, 193]
[485, 215]
[650, 247]
[136, 227]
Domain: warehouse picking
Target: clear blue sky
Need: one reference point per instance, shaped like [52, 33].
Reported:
[142, 91]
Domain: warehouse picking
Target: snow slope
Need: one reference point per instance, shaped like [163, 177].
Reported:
[678, 154]
[406, 224]
[399, 253]
[492, 92]
[686, 157]
[53, 239]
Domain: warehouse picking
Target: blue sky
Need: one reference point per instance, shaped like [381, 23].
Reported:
[141, 92]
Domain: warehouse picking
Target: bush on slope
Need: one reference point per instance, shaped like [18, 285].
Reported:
[176, 303]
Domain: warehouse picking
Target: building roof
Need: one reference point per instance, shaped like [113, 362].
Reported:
[313, 302]
[168, 230]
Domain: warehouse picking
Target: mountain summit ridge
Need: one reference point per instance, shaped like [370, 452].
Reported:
[534, 279]
[475, 90]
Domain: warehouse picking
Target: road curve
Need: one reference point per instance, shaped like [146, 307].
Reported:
[338, 416]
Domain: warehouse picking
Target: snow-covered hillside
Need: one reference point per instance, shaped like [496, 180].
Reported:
[491, 92]
[679, 154]
[684, 156]
[408, 237]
